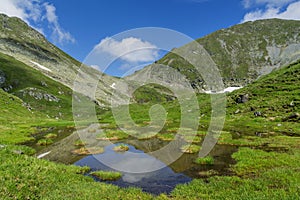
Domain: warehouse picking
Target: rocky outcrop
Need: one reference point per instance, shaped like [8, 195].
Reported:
[242, 98]
[2, 79]
[39, 95]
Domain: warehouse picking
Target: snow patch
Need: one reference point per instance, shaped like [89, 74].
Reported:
[40, 66]
[43, 155]
[226, 90]
[113, 86]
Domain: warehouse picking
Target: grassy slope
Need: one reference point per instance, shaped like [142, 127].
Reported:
[14, 119]
[276, 96]
[238, 57]
[22, 77]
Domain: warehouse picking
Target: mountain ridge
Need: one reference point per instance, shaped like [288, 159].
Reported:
[19, 40]
[242, 53]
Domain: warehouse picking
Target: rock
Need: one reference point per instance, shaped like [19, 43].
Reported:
[27, 106]
[257, 114]
[258, 134]
[44, 84]
[242, 98]
[292, 117]
[40, 94]
[19, 152]
[8, 88]
[2, 78]
[237, 111]
[272, 118]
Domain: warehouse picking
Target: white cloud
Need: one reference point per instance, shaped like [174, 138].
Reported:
[292, 12]
[24, 9]
[50, 13]
[58, 34]
[132, 50]
[95, 66]
[269, 3]
[32, 12]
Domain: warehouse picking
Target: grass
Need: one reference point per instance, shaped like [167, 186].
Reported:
[252, 161]
[262, 170]
[166, 136]
[107, 175]
[109, 134]
[88, 150]
[190, 148]
[44, 142]
[237, 41]
[192, 138]
[51, 136]
[79, 143]
[121, 148]
[25, 79]
[261, 175]
[208, 160]
[25, 177]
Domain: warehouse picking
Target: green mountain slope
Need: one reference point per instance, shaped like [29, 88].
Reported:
[39, 93]
[272, 105]
[25, 44]
[243, 52]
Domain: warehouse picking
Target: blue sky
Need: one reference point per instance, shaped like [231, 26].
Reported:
[78, 26]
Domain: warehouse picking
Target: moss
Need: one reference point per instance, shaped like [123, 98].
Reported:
[107, 175]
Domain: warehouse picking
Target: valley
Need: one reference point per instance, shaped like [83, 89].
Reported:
[45, 154]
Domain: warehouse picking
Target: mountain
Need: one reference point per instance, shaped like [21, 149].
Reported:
[242, 53]
[25, 44]
[39, 93]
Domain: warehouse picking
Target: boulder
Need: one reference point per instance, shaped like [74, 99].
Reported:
[257, 114]
[292, 117]
[2, 78]
[242, 98]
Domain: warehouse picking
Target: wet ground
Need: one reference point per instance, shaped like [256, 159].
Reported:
[140, 166]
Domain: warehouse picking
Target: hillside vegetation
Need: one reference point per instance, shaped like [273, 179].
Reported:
[242, 53]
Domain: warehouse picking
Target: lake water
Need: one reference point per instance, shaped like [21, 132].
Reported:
[156, 182]
[140, 159]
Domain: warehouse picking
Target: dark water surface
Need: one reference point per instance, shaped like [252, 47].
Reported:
[156, 182]
[163, 180]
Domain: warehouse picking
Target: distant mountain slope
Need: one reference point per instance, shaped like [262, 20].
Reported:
[242, 53]
[22, 42]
